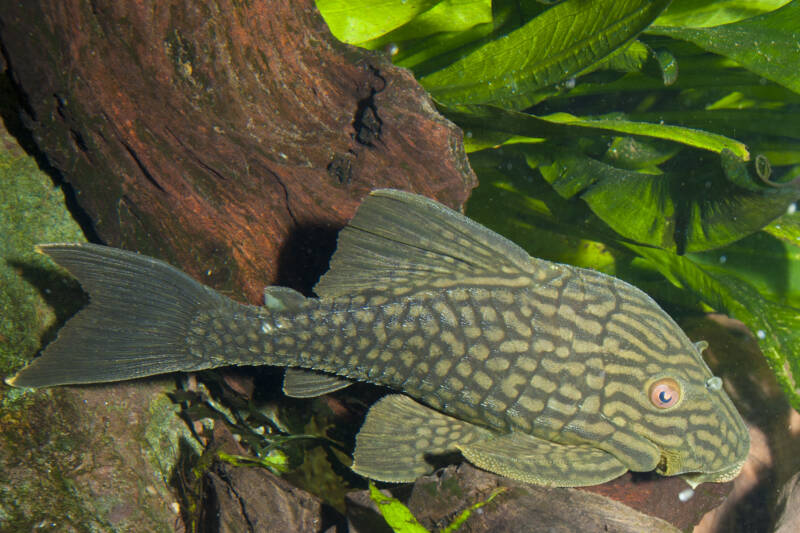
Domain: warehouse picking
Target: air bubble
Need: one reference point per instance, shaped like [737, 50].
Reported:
[714, 383]
[685, 495]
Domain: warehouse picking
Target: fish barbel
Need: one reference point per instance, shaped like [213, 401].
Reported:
[534, 370]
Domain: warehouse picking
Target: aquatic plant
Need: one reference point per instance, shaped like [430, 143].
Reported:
[647, 139]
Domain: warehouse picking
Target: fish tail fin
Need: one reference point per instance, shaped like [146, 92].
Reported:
[135, 324]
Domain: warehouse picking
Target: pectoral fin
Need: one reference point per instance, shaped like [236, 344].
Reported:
[301, 383]
[533, 460]
[399, 433]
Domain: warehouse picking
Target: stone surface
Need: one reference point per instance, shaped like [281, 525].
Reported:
[235, 497]
[252, 499]
[96, 459]
[789, 507]
[660, 497]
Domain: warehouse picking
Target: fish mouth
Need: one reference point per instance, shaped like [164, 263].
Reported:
[669, 465]
[720, 476]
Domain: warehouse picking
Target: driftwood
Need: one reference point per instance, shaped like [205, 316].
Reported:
[521, 508]
[231, 138]
[236, 498]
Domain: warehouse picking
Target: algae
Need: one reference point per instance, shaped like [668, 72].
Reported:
[71, 459]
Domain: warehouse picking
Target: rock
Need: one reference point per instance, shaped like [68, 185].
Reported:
[664, 497]
[95, 459]
[236, 498]
[252, 499]
[789, 507]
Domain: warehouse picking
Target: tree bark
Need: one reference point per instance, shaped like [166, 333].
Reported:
[231, 138]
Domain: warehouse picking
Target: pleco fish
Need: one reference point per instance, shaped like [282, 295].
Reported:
[537, 371]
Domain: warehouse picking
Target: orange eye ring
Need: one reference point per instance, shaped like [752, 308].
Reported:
[665, 393]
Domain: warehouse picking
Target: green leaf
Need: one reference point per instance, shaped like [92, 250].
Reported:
[771, 265]
[683, 210]
[742, 122]
[766, 44]
[516, 202]
[776, 326]
[704, 13]
[693, 81]
[275, 461]
[397, 515]
[431, 53]
[564, 125]
[357, 21]
[553, 46]
[465, 514]
[643, 155]
[448, 16]
[780, 152]
[688, 136]
[787, 227]
[629, 58]
[437, 51]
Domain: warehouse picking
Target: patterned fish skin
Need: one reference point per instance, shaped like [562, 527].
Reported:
[565, 354]
[535, 370]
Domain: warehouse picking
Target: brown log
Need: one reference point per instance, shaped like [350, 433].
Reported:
[231, 138]
[521, 508]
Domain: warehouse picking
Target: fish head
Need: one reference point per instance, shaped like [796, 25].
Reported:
[691, 419]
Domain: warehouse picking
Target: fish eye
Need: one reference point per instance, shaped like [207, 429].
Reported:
[665, 393]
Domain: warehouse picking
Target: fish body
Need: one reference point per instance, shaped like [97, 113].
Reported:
[539, 371]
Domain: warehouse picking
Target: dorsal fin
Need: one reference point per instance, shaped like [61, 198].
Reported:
[277, 298]
[398, 238]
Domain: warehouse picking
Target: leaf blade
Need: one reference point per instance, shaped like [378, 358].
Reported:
[776, 326]
[357, 21]
[774, 53]
[558, 43]
[397, 515]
